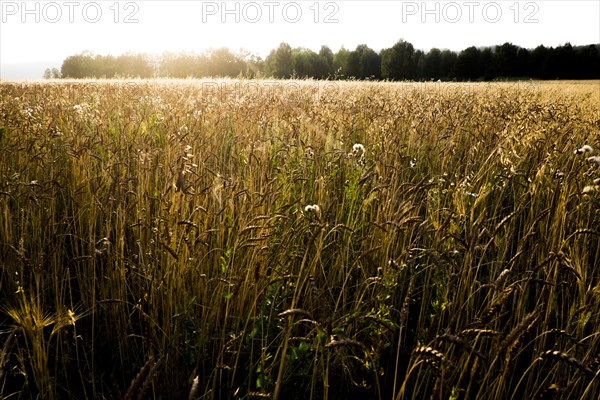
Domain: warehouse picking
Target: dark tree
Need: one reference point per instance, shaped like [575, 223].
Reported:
[280, 62]
[563, 58]
[522, 64]
[308, 64]
[505, 60]
[588, 61]
[538, 63]
[419, 64]
[469, 64]
[432, 64]
[370, 63]
[223, 63]
[340, 61]
[327, 55]
[352, 65]
[448, 64]
[487, 58]
[397, 62]
[78, 66]
[400, 62]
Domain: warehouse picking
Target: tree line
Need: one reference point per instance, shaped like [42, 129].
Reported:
[399, 62]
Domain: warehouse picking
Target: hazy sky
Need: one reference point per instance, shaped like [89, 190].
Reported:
[33, 31]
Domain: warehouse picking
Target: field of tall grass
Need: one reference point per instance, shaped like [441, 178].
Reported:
[299, 240]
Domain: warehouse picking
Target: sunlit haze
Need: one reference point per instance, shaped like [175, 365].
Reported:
[46, 32]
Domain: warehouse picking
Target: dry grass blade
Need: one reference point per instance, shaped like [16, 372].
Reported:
[295, 312]
[478, 332]
[259, 395]
[345, 343]
[5, 353]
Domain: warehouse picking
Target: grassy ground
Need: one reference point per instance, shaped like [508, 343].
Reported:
[299, 240]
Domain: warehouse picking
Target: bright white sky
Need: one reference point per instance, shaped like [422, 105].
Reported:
[33, 31]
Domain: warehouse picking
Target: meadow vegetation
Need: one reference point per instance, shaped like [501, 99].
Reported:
[299, 240]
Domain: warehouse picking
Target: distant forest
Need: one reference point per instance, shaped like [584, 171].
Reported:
[399, 62]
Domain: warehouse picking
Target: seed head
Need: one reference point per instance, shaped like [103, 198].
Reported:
[429, 352]
[501, 278]
[559, 356]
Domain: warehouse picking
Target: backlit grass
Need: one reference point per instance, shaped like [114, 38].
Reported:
[299, 240]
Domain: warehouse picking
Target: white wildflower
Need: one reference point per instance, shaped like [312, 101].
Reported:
[584, 149]
[590, 189]
[314, 208]
[595, 160]
[358, 148]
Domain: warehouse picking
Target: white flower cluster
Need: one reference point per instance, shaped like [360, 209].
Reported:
[590, 189]
[588, 149]
[358, 153]
[595, 187]
[314, 208]
[584, 149]
[358, 149]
